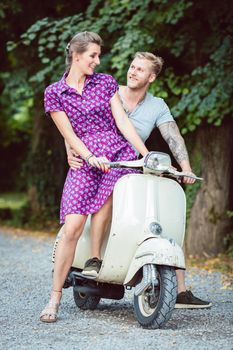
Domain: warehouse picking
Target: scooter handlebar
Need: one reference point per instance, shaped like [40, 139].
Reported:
[126, 164]
[160, 165]
[175, 173]
[186, 174]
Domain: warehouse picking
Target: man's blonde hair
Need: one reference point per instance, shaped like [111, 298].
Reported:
[156, 61]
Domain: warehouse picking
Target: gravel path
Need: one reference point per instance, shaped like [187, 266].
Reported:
[24, 290]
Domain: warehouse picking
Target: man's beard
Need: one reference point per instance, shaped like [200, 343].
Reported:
[137, 86]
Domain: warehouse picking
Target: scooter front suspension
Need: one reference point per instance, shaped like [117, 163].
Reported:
[149, 279]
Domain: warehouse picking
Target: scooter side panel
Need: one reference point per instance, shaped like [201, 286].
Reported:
[139, 200]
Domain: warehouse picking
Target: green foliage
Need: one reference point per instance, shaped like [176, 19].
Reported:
[198, 77]
[16, 100]
[230, 213]
[210, 89]
[198, 54]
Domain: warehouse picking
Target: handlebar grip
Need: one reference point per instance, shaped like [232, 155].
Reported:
[113, 164]
[184, 174]
[191, 176]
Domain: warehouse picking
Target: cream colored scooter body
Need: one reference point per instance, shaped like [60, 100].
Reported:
[138, 201]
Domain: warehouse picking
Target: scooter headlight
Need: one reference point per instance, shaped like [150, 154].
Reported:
[155, 228]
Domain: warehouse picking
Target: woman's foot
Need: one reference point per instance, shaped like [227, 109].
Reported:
[49, 314]
[92, 267]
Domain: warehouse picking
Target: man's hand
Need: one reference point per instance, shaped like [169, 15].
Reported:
[73, 160]
[188, 180]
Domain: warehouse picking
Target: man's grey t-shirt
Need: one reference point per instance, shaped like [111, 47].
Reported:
[149, 114]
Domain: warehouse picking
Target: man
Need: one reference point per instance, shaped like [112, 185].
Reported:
[147, 112]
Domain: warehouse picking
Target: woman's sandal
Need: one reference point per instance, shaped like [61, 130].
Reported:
[49, 314]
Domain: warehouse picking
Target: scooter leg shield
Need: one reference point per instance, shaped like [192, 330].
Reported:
[158, 251]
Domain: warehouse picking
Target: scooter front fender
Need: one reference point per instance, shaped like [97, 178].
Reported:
[158, 251]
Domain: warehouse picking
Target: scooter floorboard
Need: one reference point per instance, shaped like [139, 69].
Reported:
[80, 275]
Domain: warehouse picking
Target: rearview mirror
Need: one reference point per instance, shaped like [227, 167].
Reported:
[155, 159]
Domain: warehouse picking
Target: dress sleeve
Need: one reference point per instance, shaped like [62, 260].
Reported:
[112, 86]
[52, 101]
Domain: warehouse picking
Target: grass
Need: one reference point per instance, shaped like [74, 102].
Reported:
[12, 201]
[222, 263]
[14, 213]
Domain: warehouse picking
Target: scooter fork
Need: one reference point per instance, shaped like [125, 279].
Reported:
[149, 279]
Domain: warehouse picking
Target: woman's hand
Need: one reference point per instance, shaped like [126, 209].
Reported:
[99, 162]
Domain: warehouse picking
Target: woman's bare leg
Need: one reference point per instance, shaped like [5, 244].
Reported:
[99, 225]
[74, 224]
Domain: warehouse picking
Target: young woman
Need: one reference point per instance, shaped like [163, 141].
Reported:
[86, 109]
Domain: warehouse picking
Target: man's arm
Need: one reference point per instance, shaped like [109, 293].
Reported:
[73, 161]
[175, 141]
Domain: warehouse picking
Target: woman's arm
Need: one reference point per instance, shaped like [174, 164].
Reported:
[63, 124]
[125, 126]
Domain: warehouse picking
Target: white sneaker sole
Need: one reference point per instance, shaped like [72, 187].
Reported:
[190, 306]
[91, 273]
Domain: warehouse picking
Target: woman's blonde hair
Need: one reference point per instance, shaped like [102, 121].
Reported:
[156, 61]
[79, 44]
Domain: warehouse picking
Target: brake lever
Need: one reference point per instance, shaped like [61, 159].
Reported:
[183, 174]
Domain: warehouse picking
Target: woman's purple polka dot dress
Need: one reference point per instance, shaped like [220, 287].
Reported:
[87, 189]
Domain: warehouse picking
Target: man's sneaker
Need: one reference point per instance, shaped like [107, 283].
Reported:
[92, 267]
[186, 300]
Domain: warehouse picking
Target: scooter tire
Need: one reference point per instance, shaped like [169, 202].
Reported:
[85, 302]
[157, 315]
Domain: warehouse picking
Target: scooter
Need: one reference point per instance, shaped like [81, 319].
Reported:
[143, 245]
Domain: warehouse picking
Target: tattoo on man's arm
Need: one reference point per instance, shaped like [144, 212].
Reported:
[175, 141]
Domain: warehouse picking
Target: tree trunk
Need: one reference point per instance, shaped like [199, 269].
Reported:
[209, 227]
[47, 168]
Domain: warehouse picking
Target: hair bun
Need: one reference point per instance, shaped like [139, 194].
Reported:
[68, 47]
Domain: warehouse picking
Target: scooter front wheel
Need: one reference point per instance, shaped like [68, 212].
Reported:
[153, 308]
[85, 302]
